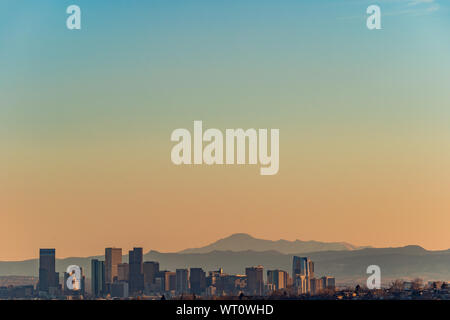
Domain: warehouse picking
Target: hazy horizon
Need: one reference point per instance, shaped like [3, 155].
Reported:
[60, 255]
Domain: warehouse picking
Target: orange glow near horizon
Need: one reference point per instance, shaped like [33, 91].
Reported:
[111, 198]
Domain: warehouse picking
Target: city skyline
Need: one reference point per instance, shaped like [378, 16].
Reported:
[349, 264]
[144, 280]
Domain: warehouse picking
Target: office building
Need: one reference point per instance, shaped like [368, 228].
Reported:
[255, 280]
[303, 266]
[113, 257]
[151, 270]
[182, 281]
[197, 281]
[315, 285]
[48, 277]
[119, 289]
[277, 279]
[136, 275]
[123, 272]
[328, 283]
[301, 284]
[97, 278]
[167, 281]
[213, 276]
[230, 284]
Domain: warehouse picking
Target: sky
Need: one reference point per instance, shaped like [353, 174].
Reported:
[86, 117]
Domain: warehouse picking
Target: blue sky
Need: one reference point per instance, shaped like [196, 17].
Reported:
[86, 116]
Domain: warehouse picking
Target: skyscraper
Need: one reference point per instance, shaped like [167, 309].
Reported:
[151, 270]
[167, 280]
[170, 281]
[113, 256]
[301, 284]
[315, 285]
[123, 272]
[303, 267]
[182, 281]
[328, 283]
[97, 277]
[48, 278]
[277, 279]
[197, 281]
[311, 268]
[136, 275]
[255, 280]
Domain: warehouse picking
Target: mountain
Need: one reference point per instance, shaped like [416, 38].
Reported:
[348, 266]
[241, 242]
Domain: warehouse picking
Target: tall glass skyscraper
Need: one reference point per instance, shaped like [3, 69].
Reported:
[97, 278]
[302, 266]
[48, 278]
[113, 257]
[136, 274]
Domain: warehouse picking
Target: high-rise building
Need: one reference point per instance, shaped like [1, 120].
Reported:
[136, 275]
[301, 284]
[119, 289]
[48, 278]
[151, 270]
[316, 285]
[311, 268]
[182, 281]
[97, 278]
[233, 285]
[255, 280]
[303, 266]
[113, 257]
[197, 281]
[328, 283]
[213, 276]
[277, 279]
[167, 280]
[170, 281]
[123, 272]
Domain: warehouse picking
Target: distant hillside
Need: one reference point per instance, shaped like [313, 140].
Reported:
[347, 266]
[241, 242]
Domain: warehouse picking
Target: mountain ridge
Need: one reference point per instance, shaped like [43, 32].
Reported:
[348, 266]
[243, 241]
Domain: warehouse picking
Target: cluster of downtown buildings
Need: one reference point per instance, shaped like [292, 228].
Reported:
[115, 279]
